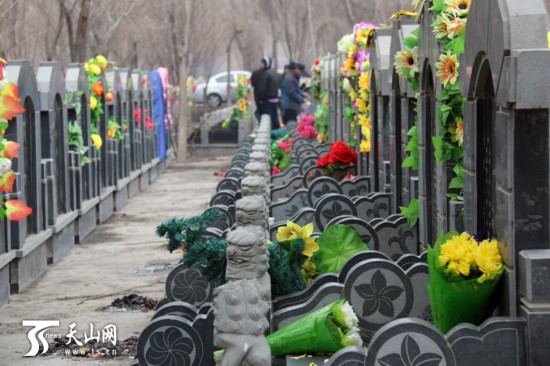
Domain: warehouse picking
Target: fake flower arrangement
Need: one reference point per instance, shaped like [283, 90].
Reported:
[305, 127]
[449, 30]
[463, 276]
[327, 254]
[242, 108]
[406, 65]
[280, 154]
[148, 122]
[340, 156]
[355, 70]
[94, 67]
[14, 210]
[321, 117]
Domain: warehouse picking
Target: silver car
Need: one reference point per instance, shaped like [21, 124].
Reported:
[216, 88]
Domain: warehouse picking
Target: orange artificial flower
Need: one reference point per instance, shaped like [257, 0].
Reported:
[11, 149]
[447, 68]
[109, 97]
[17, 210]
[9, 107]
[97, 88]
[111, 132]
[7, 181]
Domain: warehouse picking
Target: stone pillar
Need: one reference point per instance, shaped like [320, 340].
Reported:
[534, 287]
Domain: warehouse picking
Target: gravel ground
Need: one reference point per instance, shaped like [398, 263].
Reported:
[122, 257]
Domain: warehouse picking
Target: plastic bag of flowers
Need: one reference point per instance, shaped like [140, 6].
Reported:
[324, 331]
[463, 278]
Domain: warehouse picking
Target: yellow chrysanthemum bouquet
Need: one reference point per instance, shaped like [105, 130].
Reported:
[463, 276]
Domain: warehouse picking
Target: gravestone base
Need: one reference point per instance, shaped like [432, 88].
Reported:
[161, 167]
[87, 221]
[144, 178]
[133, 186]
[30, 262]
[106, 206]
[4, 283]
[121, 193]
[61, 242]
[154, 172]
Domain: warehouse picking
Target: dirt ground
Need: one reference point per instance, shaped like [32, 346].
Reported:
[123, 256]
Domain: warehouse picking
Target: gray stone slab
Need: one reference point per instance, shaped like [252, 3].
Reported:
[61, 243]
[106, 208]
[534, 275]
[26, 269]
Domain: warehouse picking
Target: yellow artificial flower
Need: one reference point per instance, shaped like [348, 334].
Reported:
[102, 61]
[364, 81]
[86, 66]
[361, 37]
[361, 106]
[457, 254]
[325, 100]
[293, 231]
[488, 259]
[447, 68]
[242, 80]
[365, 146]
[364, 94]
[364, 120]
[96, 139]
[352, 95]
[95, 69]
[352, 52]
[111, 132]
[458, 7]
[448, 27]
[365, 131]
[457, 131]
[406, 59]
[93, 102]
[309, 271]
[241, 104]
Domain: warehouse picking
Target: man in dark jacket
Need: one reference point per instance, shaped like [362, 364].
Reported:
[266, 85]
[293, 96]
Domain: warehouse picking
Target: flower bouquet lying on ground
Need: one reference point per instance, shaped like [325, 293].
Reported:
[323, 331]
[463, 278]
[339, 161]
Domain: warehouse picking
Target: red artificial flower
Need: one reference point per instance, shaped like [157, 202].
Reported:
[324, 161]
[137, 115]
[109, 97]
[97, 88]
[275, 170]
[317, 61]
[148, 122]
[17, 210]
[343, 153]
[11, 149]
[7, 181]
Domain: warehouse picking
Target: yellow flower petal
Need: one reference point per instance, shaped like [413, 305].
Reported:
[310, 247]
[308, 230]
[98, 142]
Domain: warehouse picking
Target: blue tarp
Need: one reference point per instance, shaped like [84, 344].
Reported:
[159, 113]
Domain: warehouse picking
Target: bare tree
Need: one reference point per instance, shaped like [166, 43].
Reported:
[182, 118]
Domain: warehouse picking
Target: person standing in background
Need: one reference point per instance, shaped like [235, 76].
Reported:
[293, 97]
[266, 86]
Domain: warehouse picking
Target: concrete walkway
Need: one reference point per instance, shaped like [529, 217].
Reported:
[121, 257]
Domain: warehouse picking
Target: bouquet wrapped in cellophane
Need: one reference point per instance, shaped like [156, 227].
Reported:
[326, 330]
[463, 278]
[323, 331]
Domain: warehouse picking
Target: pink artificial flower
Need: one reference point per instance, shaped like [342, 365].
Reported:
[275, 170]
[308, 132]
[349, 176]
[285, 146]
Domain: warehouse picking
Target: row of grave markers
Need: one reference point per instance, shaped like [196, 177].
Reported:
[506, 143]
[70, 199]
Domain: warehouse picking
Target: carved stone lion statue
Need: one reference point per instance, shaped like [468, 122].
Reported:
[240, 309]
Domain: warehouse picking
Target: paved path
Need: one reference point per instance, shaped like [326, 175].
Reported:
[121, 257]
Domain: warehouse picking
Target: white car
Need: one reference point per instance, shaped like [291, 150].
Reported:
[216, 88]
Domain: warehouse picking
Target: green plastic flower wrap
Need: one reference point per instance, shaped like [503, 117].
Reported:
[456, 299]
[326, 330]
